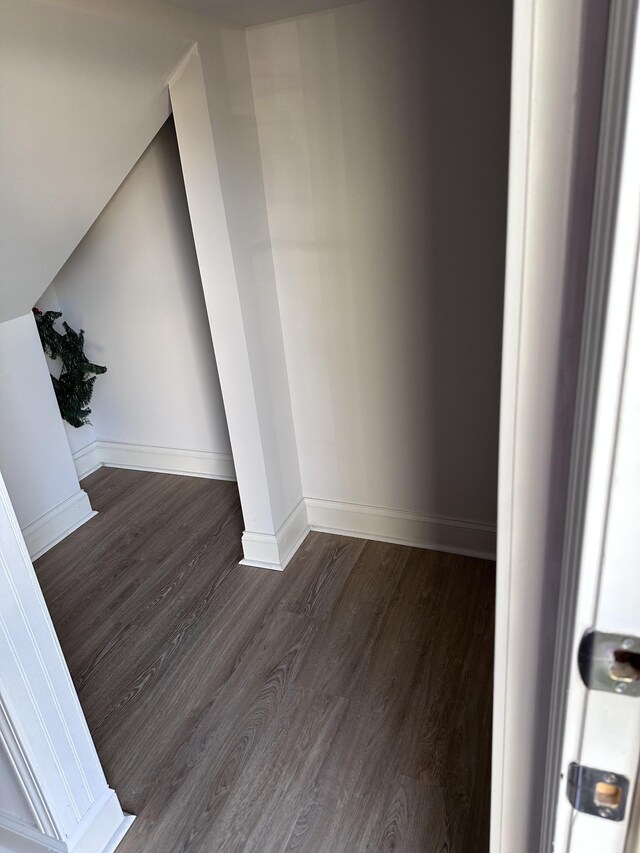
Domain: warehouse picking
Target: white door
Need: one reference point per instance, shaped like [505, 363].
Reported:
[594, 749]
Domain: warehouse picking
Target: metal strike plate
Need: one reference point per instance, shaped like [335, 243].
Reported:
[597, 792]
[610, 662]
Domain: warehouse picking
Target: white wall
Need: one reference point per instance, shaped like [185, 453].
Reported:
[133, 285]
[34, 454]
[383, 130]
[86, 87]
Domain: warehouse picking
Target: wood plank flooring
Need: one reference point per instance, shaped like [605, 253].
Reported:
[341, 706]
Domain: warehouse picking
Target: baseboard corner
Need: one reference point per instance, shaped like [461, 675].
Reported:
[51, 528]
[103, 827]
[87, 460]
[100, 830]
[275, 551]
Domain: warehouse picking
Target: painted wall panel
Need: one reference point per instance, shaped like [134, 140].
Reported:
[133, 285]
[383, 129]
[34, 454]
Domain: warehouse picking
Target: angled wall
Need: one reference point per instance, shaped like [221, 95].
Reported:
[133, 284]
[83, 96]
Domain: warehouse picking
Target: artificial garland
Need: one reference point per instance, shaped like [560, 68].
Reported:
[74, 385]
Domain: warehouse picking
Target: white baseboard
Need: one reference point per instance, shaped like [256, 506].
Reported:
[59, 522]
[100, 831]
[102, 828]
[420, 531]
[86, 460]
[274, 551]
[164, 460]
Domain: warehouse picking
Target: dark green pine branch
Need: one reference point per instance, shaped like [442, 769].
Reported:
[74, 386]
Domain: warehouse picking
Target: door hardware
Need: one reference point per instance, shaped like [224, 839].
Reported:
[597, 792]
[610, 662]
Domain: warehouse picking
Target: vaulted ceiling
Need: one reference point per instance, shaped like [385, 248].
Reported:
[80, 98]
[83, 93]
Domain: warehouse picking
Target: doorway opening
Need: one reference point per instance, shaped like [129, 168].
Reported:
[363, 666]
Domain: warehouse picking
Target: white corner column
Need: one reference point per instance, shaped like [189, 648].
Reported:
[53, 792]
[241, 298]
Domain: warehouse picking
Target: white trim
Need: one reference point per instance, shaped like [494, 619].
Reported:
[164, 460]
[43, 728]
[20, 838]
[274, 551]
[102, 828]
[592, 463]
[594, 728]
[46, 531]
[86, 460]
[453, 536]
[125, 825]
[546, 178]
[94, 834]
[503, 823]
[23, 773]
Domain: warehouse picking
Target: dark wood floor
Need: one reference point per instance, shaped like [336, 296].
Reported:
[343, 705]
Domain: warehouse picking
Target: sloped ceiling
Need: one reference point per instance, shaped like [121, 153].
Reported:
[80, 99]
[247, 13]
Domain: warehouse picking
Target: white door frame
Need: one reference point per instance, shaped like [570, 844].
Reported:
[600, 580]
[549, 88]
[46, 750]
